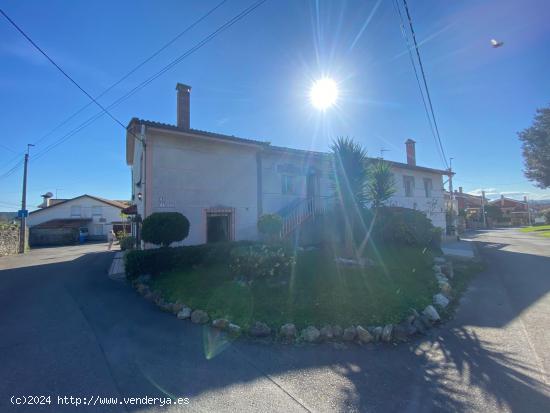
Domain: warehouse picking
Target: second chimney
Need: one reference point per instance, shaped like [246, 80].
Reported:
[411, 152]
[184, 106]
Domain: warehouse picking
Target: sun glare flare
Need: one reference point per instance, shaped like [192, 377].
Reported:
[323, 93]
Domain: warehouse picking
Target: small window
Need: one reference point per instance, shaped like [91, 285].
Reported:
[428, 187]
[97, 211]
[408, 183]
[76, 211]
[288, 184]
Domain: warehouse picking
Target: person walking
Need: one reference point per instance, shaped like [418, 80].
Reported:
[111, 236]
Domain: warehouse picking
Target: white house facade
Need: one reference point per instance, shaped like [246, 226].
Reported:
[223, 184]
[96, 214]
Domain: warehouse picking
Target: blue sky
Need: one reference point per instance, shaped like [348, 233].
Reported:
[253, 81]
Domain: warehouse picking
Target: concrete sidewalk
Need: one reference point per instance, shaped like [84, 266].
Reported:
[459, 249]
[117, 270]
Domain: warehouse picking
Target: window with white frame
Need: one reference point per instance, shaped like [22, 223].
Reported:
[97, 211]
[408, 183]
[288, 184]
[76, 211]
[428, 186]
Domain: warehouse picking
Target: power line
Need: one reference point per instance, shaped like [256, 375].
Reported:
[146, 82]
[137, 67]
[74, 82]
[6, 148]
[132, 71]
[424, 79]
[176, 61]
[406, 38]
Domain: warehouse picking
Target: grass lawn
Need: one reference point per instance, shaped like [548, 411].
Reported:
[542, 230]
[318, 292]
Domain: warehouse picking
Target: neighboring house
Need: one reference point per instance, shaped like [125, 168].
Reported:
[514, 211]
[469, 208]
[58, 221]
[223, 183]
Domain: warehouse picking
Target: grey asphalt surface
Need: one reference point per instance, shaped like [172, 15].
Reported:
[69, 330]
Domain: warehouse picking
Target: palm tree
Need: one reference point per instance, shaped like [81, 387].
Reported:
[380, 185]
[349, 178]
[350, 171]
[379, 188]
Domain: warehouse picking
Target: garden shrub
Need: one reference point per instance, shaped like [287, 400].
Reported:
[163, 228]
[261, 261]
[270, 225]
[159, 260]
[405, 226]
[127, 243]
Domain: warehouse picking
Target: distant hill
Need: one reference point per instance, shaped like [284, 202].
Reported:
[7, 216]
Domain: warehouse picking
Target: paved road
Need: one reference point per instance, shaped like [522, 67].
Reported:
[67, 329]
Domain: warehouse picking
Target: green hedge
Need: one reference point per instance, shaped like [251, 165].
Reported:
[156, 261]
[396, 225]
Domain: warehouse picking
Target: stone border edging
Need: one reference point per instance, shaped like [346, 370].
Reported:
[414, 324]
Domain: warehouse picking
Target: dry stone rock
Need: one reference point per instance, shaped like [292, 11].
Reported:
[259, 329]
[431, 314]
[337, 331]
[220, 323]
[349, 333]
[444, 287]
[288, 331]
[363, 335]
[234, 329]
[327, 333]
[199, 317]
[184, 313]
[176, 307]
[310, 334]
[376, 333]
[440, 300]
[387, 333]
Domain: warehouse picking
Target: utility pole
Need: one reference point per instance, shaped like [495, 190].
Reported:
[23, 213]
[483, 209]
[528, 210]
[451, 224]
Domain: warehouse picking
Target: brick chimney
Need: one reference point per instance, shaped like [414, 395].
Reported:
[184, 106]
[502, 200]
[411, 152]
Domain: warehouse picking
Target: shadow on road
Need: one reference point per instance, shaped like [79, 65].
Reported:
[142, 351]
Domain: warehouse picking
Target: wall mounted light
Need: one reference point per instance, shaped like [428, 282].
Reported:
[140, 196]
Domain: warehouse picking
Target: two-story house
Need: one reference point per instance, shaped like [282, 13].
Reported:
[223, 183]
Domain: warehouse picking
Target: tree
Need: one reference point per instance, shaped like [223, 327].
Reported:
[546, 214]
[350, 171]
[493, 212]
[536, 149]
[349, 178]
[163, 228]
[380, 184]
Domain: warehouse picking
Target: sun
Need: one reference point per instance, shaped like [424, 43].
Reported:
[323, 93]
